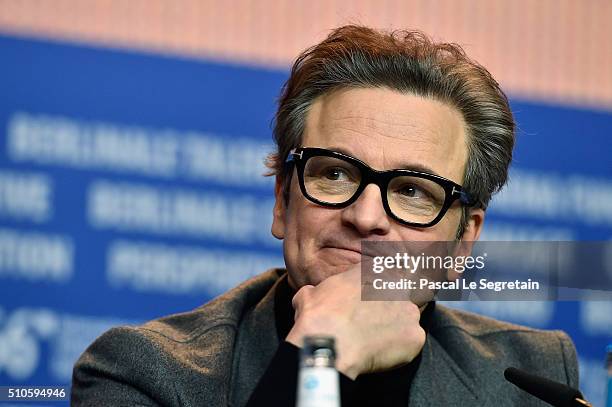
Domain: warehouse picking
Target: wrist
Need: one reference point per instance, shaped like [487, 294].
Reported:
[345, 364]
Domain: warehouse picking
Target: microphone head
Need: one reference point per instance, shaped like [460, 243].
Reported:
[554, 393]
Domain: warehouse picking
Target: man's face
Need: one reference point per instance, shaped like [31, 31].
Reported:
[387, 130]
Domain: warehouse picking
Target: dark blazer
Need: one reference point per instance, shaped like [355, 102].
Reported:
[216, 354]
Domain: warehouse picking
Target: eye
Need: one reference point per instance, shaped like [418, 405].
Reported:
[413, 191]
[335, 174]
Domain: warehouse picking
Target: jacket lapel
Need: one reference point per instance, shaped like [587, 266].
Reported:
[439, 381]
[255, 346]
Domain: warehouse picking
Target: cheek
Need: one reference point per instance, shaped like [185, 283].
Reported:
[445, 230]
[305, 229]
[306, 221]
[297, 226]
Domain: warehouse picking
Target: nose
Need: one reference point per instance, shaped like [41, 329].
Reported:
[367, 214]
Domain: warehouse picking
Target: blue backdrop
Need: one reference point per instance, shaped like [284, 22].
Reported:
[131, 188]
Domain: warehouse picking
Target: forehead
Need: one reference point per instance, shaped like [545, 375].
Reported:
[388, 130]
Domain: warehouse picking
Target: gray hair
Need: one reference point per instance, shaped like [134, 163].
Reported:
[405, 61]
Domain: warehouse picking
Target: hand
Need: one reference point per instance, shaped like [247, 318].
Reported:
[370, 336]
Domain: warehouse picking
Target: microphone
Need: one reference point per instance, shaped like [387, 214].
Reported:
[556, 394]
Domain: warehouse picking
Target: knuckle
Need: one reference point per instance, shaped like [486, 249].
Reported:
[412, 310]
[420, 336]
[302, 296]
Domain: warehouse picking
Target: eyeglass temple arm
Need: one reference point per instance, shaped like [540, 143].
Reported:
[292, 154]
[464, 197]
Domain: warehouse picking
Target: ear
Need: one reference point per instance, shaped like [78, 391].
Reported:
[470, 235]
[474, 226]
[279, 211]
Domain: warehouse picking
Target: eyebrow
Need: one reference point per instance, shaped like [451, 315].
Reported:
[411, 167]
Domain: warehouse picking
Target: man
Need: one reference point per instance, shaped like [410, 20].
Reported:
[381, 137]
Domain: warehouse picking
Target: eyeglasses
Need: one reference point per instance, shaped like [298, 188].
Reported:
[336, 180]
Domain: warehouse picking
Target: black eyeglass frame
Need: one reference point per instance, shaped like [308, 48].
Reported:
[452, 190]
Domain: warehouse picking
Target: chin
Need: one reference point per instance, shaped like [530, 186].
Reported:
[330, 271]
[314, 274]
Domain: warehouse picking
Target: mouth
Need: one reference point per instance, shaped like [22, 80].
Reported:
[356, 250]
[344, 253]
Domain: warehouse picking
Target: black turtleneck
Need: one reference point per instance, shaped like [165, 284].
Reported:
[278, 385]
